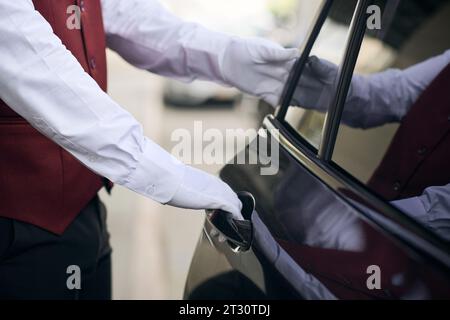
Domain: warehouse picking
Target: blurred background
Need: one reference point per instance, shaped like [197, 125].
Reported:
[153, 244]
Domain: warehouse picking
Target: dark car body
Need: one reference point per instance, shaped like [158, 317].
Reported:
[317, 231]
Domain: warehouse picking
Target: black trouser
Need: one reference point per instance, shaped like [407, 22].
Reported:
[37, 264]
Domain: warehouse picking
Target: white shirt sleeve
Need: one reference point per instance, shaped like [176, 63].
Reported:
[388, 96]
[149, 37]
[432, 209]
[43, 82]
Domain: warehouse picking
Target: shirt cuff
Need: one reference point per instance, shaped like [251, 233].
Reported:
[157, 175]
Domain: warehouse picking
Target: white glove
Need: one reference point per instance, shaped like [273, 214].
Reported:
[200, 190]
[316, 84]
[372, 100]
[258, 67]
[316, 87]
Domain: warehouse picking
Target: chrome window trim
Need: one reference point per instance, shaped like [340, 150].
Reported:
[297, 70]
[347, 67]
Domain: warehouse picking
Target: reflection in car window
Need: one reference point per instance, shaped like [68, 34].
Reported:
[389, 139]
[312, 96]
[326, 235]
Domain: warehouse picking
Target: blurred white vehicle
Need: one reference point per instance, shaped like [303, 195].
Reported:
[243, 18]
[198, 93]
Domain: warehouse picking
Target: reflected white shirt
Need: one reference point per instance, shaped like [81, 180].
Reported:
[387, 97]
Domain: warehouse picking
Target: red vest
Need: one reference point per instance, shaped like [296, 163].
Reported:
[419, 155]
[40, 183]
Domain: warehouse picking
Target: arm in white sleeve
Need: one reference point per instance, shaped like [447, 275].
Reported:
[373, 100]
[432, 209]
[42, 81]
[149, 37]
[388, 96]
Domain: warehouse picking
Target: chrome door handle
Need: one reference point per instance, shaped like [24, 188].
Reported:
[237, 233]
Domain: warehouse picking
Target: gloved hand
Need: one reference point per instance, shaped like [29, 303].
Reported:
[369, 100]
[316, 84]
[258, 67]
[200, 190]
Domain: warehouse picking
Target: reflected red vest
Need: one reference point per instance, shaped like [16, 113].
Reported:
[419, 155]
[40, 183]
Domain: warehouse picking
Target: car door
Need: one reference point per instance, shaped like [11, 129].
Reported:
[319, 230]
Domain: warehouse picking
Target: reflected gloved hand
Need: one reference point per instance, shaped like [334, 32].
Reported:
[200, 190]
[370, 99]
[316, 84]
[258, 67]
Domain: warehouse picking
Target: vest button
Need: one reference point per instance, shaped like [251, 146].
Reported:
[398, 280]
[422, 151]
[92, 63]
[397, 186]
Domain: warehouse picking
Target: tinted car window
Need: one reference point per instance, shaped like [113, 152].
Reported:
[381, 110]
[330, 45]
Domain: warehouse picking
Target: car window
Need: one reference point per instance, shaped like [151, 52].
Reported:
[330, 45]
[379, 140]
